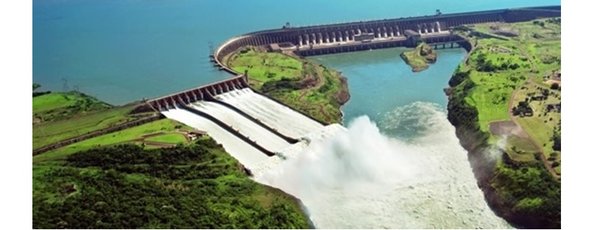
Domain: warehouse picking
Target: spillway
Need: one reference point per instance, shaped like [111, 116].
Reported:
[273, 114]
[249, 121]
[349, 177]
[242, 151]
[246, 127]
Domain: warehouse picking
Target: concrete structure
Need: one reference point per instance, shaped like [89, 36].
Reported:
[222, 107]
[250, 125]
[364, 35]
[205, 92]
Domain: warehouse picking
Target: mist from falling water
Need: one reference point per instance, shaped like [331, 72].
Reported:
[364, 179]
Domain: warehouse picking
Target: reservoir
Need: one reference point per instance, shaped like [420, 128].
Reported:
[121, 51]
[399, 165]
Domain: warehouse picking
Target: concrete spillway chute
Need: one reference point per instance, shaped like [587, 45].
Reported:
[306, 39]
[194, 95]
[180, 100]
[187, 97]
[173, 103]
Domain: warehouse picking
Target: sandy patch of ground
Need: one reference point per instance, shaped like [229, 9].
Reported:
[507, 128]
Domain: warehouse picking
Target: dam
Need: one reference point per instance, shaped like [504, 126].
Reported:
[242, 119]
[323, 164]
[250, 126]
[376, 34]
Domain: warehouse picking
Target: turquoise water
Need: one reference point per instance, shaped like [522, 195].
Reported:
[120, 50]
[382, 80]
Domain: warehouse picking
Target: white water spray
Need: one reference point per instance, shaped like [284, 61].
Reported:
[361, 178]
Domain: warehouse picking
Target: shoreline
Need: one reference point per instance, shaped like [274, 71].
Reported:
[510, 186]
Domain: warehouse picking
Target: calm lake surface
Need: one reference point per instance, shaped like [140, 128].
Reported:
[125, 50]
[120, 51]
[379, 80]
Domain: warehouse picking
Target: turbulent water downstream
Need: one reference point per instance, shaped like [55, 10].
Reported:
[364, 179]
[357, 176]
[396, 162]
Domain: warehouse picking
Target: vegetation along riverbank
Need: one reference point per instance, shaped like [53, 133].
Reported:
[161, 174]
[297, 82]
[506, 97]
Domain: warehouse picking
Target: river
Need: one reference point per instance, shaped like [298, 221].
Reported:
[398, 166]
[125, 50]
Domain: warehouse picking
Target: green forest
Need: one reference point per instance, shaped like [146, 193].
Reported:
[127, 186]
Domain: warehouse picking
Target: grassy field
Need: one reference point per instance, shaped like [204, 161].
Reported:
[196, 186]
[265, 67]
[520, 149]
[517, 68]
[166, 126]
[173, 138]
[61, 115]
[60, 105]
[499, 67]
[53, 131]
[509, 67]
[52, 101]
[101, 183]
[541, 125]
[299, 83]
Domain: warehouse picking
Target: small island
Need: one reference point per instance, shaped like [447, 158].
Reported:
[419, 58]
[96, 165]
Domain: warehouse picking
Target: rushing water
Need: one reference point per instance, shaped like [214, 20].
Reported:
[408, 117]
[399, 163]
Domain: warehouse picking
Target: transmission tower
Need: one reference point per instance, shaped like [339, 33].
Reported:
[65, 85]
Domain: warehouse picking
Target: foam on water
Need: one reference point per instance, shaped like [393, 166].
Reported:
[360, 178]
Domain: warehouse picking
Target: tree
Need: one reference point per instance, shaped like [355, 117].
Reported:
[36, 86]
[556, 140]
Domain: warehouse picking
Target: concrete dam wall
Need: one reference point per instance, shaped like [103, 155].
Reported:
[240, 118]
[235, 115]
[362, 35]
[256, 130]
